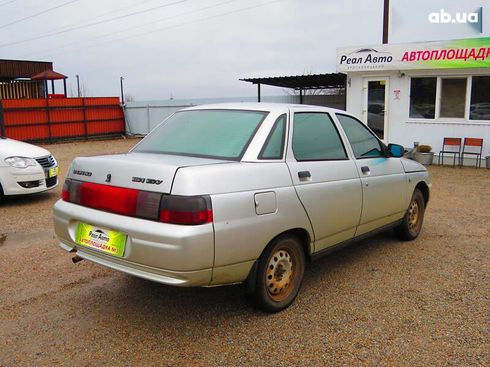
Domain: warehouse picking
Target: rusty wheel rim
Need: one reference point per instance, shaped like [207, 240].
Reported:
[280, 274]
[413, 215]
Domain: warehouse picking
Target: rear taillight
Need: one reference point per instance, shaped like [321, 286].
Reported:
[71, 191]
[188, 210]
[65, 191]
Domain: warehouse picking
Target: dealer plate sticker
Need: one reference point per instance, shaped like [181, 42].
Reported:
[53, 171]
[110, 242]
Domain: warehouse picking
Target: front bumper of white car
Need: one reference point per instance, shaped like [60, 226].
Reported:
[30, 180]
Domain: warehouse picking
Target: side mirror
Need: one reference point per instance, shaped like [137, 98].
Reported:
[396, 150]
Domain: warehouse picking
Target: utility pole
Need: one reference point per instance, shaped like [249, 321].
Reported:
[78, 85]
[386, 20]
[122, 90]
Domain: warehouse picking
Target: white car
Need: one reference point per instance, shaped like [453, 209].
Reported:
[26, 168]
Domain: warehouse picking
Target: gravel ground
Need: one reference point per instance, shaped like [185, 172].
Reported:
[379, 303]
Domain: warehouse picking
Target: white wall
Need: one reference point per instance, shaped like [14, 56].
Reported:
[405, 131]
[142, 116]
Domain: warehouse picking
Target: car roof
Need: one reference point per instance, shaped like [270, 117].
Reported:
[260, 106]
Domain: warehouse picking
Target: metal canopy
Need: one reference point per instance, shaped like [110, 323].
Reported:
[297, 82]
[301, 82]
[14, 69]
[48, 75]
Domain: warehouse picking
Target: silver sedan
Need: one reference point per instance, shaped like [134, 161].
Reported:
[240, 193]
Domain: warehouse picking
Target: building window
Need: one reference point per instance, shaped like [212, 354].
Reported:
[453, 97]
[447, 98]
[480, 98]
[423, 98]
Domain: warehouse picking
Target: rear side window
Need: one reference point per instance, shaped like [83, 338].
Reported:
[315, 137]
[274, 145]
[363, 142]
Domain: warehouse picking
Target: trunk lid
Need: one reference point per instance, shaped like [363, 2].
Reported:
[141, 171]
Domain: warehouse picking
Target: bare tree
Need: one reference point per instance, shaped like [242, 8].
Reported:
[128, 97]
[84, 91]
[314, 92]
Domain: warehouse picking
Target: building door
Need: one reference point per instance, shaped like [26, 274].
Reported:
[375, 111]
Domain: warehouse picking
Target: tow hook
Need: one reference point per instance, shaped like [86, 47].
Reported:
[76, 259]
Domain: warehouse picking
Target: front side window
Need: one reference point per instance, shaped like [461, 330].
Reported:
[453, 97]
[423, 98]
[220, 134]
[316, 138]
[480, 98]
[274, 145]
[363, 142]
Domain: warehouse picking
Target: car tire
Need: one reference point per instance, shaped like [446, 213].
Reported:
[1, 192]
[279, 274]
[411, 225]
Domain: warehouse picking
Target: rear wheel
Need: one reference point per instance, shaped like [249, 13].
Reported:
[411, 225]
[279, 274]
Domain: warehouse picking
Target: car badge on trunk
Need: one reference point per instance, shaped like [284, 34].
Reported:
[150, 181]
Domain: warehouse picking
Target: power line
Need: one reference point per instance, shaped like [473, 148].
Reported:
[37, 14]
[102, 15]
[92, 24]
[184, 24]
[169, 18]
[121, 8]
[138, 26]
[205, 18]
[106, 13]
[92, 18]
[6, 2]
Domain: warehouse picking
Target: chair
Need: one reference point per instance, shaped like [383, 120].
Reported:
[473, 144]
[449, 146]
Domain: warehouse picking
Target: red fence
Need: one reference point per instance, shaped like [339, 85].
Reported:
[61, 119]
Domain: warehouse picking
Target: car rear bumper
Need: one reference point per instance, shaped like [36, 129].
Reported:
[166, 253]
[176, 278]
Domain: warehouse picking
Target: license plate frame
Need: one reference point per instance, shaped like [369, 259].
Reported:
[52, 172]
[101, 239]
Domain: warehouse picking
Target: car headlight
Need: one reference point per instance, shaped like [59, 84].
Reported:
[20, 162]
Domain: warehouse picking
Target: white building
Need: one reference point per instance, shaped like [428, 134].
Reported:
[421, 92]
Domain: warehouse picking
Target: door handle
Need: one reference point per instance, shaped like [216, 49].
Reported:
[365, 170]
[304, 174]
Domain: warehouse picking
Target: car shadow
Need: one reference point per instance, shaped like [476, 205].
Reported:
[157, 301]
[19, 200]
[350, 255]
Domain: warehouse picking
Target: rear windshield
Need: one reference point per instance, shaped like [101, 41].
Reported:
[221, 134]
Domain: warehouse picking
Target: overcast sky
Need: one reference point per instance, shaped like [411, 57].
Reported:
[190, 48]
